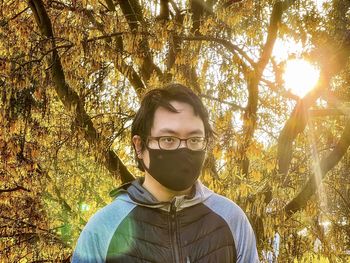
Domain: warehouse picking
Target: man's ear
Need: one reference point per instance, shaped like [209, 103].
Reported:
[137, 141]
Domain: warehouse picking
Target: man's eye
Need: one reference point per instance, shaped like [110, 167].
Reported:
[168, 139]
[195, 140]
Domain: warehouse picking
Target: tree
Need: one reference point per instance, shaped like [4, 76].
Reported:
[72, 74]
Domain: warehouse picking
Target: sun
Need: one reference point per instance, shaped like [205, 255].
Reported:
[300, 77]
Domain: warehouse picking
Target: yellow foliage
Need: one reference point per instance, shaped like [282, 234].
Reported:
[217, 152]
[256, 176]
[314, 258]
[270, 165]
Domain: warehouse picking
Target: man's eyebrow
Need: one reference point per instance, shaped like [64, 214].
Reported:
[170, 131]
[196, 132]
[167, 130]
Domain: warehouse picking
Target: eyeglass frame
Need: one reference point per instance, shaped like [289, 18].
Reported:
[157, 138]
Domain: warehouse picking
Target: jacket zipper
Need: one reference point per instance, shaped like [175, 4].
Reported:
[173, 231]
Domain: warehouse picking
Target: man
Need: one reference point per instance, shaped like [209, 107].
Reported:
[169, 215]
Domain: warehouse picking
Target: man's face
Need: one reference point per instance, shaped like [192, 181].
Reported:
[182, 124]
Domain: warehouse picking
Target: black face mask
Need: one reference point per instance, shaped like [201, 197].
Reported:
[178, 169]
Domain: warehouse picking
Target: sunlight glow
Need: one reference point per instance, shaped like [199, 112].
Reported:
[317, 172]
[300, 77]
[85, 207]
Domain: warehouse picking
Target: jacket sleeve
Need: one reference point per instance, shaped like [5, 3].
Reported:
[94, 240]
[245, 242]
[239, 225]
[87, 249]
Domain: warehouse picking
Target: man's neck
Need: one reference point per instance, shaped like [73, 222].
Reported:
[160, 192]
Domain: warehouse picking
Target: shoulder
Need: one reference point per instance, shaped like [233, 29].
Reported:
[94, 240]
[224, 207]
[111, 215]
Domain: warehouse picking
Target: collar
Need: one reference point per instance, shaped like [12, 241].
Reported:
[134, 192]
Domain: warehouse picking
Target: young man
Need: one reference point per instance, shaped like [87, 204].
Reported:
[169, 215]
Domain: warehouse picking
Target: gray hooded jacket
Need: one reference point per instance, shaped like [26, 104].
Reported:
[135, 227]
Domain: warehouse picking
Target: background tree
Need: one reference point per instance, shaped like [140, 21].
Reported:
[72, 74]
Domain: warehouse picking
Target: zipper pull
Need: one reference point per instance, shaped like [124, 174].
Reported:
[173, 207]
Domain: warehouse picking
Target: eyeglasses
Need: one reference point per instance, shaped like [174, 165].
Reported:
[173, 143]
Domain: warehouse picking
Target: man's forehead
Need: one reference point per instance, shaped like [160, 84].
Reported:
[183, 121]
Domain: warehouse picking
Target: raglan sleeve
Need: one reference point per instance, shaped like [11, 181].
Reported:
[94, 241]
[245, 241]
[88, 249]
[241, 229]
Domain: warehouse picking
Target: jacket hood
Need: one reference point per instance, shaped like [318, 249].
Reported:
[134, 192]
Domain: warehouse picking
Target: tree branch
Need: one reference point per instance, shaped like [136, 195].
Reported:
[284, 93]
[198, 10]
[17, 188]
[110, 5]
[234, 49]
[326, 165]
[133, 13]
[70, 98]
[127, 70]
[233, 105]
[174, 43]
[295, 125]
[250, 117]
[164, 10]
[4, 23]
[275, 19]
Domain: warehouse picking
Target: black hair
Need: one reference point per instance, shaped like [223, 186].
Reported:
[161, 97]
